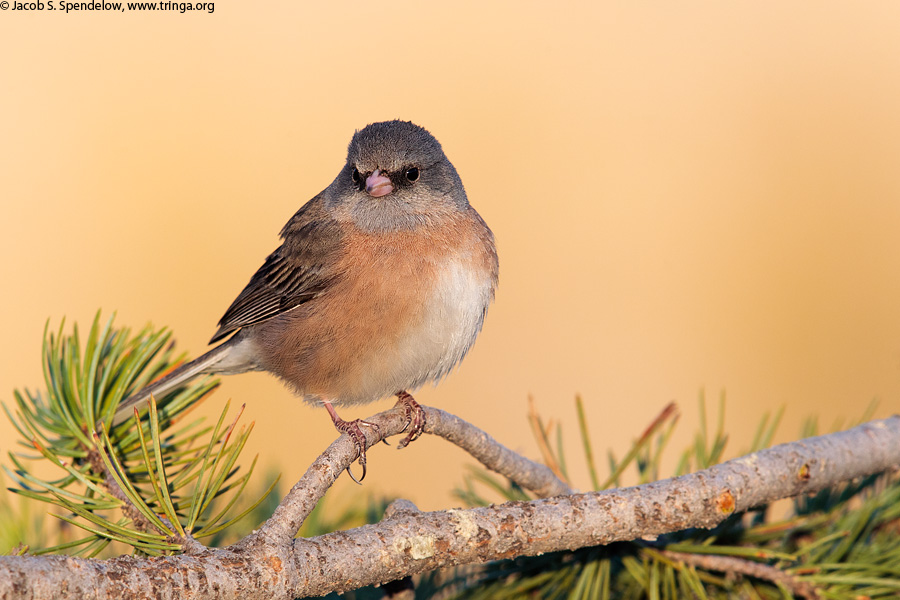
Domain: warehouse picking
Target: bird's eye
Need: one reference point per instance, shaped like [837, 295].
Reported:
[355, 175]
[412, 173]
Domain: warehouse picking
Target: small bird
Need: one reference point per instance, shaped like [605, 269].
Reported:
[381, 284]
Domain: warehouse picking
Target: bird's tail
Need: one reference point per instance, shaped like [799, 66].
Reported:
[203, 364]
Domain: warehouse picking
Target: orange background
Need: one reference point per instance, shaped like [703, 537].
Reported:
[685, 195]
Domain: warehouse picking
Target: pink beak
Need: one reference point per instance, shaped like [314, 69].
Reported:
[377, 185]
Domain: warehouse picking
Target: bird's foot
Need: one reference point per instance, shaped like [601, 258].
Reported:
[415, 418]
[353, 431]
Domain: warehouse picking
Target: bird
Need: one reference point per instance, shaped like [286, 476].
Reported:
[380, 285]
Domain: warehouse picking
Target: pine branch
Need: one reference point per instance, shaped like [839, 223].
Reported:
[742, 566]
[271, 564]
[838, 540]
[161, 478]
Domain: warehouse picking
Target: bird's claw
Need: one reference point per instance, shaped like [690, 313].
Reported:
[351, 428]
[415, 418]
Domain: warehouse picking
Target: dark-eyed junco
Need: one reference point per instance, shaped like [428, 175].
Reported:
[380, 285]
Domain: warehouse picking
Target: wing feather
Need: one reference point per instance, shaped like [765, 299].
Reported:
[298, 271]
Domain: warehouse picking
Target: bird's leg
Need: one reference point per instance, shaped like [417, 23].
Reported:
[351, 428]
[415, 416]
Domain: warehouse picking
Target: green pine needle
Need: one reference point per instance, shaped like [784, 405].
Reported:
[164, 476]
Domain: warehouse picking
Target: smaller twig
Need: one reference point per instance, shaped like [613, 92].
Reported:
[740, 566]
[139, 521]
[535, 477]
[321, 475]
[188, 544]
[400, 506]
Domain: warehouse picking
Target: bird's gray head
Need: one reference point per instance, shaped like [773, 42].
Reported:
[396, 177]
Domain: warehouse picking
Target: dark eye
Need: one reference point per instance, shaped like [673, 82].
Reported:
[355, 175]
[412, 173]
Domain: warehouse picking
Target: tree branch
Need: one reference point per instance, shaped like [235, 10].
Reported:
[320, 476]
[731, 565]
[271, 564]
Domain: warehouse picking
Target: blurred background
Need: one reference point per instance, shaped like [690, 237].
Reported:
[685, 197]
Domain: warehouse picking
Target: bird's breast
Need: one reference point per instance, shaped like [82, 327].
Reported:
[404, 310]
[450, 318]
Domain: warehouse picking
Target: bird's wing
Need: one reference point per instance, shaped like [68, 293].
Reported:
[299, 270]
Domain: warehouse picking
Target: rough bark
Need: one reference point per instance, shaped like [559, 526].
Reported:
[271, 564]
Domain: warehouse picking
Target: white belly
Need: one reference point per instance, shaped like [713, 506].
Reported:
[451, 320]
